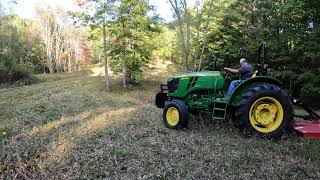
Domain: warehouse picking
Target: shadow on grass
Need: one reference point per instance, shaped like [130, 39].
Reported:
[68, 140]
[46, 145]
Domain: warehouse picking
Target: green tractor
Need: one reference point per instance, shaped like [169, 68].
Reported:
[259, 104]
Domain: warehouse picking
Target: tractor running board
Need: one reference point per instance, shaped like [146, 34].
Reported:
[307, 129]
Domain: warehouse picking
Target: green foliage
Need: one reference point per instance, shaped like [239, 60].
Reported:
[17, 74]
[163, 43]
[291, 29]
[236, 28]
[131, 32]
[306, 85]
[18, 58]
[20, 51]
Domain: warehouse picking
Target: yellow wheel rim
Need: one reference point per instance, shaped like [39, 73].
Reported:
[266, 114]
[172, 116]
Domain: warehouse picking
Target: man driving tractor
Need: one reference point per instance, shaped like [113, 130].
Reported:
[246, 70]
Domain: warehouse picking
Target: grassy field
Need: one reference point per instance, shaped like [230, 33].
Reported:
[69, 126]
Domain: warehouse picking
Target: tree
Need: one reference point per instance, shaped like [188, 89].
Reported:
[210, 9]
[98, 21]
[291, 29]
[199, 13]
[131, 32]
[19, 49]
[47, 20]
[63, 40]
[180, 7]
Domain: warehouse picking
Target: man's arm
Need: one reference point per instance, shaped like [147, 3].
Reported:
[232, 70]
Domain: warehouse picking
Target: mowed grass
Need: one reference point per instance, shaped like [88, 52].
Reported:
[70, 127]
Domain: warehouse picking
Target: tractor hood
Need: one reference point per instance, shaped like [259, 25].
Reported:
[183, 84]
[192, 74]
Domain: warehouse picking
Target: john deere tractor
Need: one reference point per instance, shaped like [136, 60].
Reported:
[259, 104]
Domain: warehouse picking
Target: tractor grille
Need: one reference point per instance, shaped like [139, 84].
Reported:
[192, 82]
[173, 85]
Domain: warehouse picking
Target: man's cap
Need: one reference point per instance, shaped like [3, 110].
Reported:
[242, 60]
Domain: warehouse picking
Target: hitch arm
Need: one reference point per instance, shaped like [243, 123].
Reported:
[312, 115]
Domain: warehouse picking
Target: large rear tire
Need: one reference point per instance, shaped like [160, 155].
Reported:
[265, 110]
[175, 115]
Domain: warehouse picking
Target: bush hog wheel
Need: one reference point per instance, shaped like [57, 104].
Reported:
[265, 110]
[175, 115]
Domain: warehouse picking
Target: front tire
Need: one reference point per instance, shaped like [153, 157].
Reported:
[265, 110]
[175, 115]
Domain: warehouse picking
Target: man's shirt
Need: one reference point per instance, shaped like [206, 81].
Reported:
[246, 71]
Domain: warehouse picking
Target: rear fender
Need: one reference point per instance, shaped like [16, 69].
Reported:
[244, 86]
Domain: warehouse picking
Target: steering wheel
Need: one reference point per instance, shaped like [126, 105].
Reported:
[230, 75]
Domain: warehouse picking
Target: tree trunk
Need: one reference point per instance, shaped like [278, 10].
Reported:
[99, 56]
[65, 65]
[199, 18]
[188, 34]
[105, 54]
[57, 50]
[205, 36]
[77, 54]
[124, 78]
[185, 53]
[48, 43]
[69, 63]
[49, 58]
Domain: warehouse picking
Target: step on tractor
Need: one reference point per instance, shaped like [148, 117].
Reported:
[260, 105]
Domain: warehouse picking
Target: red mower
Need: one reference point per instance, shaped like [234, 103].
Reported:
[309, 126]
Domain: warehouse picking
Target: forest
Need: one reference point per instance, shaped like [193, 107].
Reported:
[77, 88]
[126, 35]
